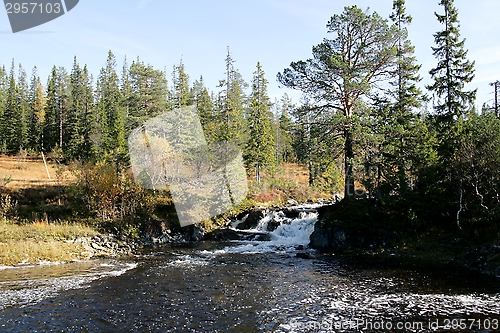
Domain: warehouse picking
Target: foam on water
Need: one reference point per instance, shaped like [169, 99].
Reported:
[286, 237]
[187, 261]
[31, 284]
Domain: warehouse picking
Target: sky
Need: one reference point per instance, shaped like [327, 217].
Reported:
[272, 32]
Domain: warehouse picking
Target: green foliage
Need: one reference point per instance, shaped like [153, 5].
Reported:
[284, 129]
[113, 197]
[109, 132]
[12, 116]
[453, 70]
[181, 95]
[205, 110]
[229, 106]
[148, 94]
[260, 147]
[344, 69]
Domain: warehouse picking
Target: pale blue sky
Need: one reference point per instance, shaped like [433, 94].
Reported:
[274, 32]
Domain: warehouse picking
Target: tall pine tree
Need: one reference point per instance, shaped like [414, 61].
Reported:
[230, 105]
[343, 70]
[37, 103]
[260, 146]
[110, 111]
[399, 123]
[452, 103]
[12, 116]
[452, 73]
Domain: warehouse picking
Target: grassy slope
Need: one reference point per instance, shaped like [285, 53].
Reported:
[40, 240]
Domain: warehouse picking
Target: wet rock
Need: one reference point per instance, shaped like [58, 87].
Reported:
[273, 224]
[336, 236]
[253, 218]
[291, 212]
[328, 239]
[223, 235]
[304, 255]
[194, 233]
[262, 237]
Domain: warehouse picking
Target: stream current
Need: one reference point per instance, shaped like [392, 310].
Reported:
[250, 286]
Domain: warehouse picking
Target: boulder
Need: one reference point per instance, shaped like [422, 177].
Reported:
[194, 233]
[253, 218]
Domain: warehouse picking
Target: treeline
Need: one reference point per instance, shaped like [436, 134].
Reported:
[81, 118]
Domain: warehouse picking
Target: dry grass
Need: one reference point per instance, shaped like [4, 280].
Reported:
[40, 241]
[295, 172]
[32, 252]
[30, 172]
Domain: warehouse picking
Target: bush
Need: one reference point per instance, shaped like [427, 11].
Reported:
[112, 196]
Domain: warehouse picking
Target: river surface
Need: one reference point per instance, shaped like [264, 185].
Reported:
[245, 287]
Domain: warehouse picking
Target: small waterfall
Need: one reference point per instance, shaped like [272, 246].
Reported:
[282, 233]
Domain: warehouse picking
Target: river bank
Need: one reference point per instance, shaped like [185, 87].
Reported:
[353, 229]
[386, 241]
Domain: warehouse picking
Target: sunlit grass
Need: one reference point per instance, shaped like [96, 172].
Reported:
[40, 241]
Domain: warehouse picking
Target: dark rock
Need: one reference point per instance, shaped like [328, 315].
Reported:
[342, 237]
[304, 255]
[273, 225]
[253, 219]
[223, 235]
[194, 233]
[299, 248]
[291, 212]
[262, 237]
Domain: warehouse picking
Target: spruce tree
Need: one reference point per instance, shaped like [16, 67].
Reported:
[50, 133]
[80, 115]
[452, 103]
[24, 107]
[204, 109]
[181, 95]
[110, 110]
[453, 71]
[88, 120]
[259, 152]
[230, 106]
[398, 118]
[12, 116]
[284, 129]
[63, 105]
[149, 94]
[37, 103]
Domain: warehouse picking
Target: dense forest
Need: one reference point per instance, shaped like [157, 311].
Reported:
[364, 117]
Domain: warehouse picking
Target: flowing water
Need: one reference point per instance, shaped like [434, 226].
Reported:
[253, 286]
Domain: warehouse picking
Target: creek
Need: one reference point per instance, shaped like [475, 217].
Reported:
[246, 286]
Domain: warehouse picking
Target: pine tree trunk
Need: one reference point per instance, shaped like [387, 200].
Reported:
[348, 163]
[257, 173]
